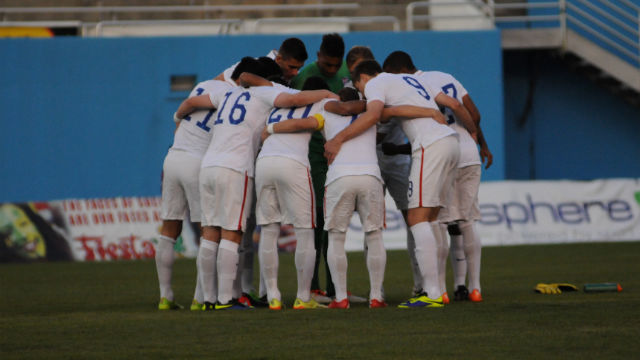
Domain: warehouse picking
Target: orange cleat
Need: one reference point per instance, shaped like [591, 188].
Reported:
[244, 300]
[475, 296]
[342, 304]
[445, 298]
[376, 304]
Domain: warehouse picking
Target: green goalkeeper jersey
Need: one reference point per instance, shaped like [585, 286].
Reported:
[317, 160]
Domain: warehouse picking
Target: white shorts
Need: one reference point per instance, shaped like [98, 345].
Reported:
[284, 193]
[225, 197]
[432, 173]
[180, 187]
[396, 180]
[464, 199]
[361, 193]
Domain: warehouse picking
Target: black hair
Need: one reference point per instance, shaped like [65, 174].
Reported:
[359, 52]
[293, 48]
[247, 64]
[369, 67]
[332, 45]
[348, 94]
[269, 67]
[398, 61]
[278, 79]
[315, 83]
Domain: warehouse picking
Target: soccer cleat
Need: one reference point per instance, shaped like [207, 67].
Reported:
[342, 304]
[461, 293]
[207, 306]
[244, 300]
[355, 298]
[195, 305]
[320, 296]
[421, 301]
[377, 304]
[234, 304]
[165, 304]
[311, 304]
[259, 302]
[275, 304]
[445, 298]
[475, 296]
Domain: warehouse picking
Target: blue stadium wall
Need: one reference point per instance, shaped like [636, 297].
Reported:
[560, 125]
[85, 118]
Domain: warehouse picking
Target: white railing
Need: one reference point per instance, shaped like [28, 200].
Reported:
[114, 10]
[564, 13]
[114, 17]
[412, 17]
[222, 26]
[349, 20]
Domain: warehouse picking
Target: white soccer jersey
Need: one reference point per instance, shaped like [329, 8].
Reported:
[229, 71]
[240, 120]
[194, 133]
[405, 89]
[290, 145]
[468, 149]
[357, 156]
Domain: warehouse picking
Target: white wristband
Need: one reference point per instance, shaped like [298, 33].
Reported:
[176, 119]
[270, 128]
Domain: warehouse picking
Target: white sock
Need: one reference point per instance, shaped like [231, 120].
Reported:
[207, 258]
[337, 261]
[268, 254]
[458, 261]
[164, 265]
[199, 294]
[262, 288]
[426, 254]
[305, 259]
[415, 268]
[227, 269]
[247, 268]
[237, 282]
[472, 252]
[376, 262]
[442, 244]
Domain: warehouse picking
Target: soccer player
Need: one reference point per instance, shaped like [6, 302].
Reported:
[435, 153]
[285, 196]
[180, 191]
[333, 70]
[226, 177]
[460, 216]
[290, 57]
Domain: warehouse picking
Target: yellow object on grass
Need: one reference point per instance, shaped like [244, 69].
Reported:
[555, 288]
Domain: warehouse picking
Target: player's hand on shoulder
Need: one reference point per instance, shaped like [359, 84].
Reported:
[332, 95]
[331, 149]
[439, 117]
[264, 135]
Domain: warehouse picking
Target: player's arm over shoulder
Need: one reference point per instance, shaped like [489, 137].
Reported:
[302, 98]
[352, 107]
[192, 104]
[412, 112]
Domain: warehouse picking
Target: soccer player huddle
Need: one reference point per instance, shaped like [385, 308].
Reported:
[273, 142]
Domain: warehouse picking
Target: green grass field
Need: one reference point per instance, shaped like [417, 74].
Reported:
[108, 310]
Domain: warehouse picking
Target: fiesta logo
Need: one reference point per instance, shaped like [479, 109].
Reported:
[570, 213]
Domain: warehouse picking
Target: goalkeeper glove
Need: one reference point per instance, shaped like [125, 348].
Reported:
[554, 288]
